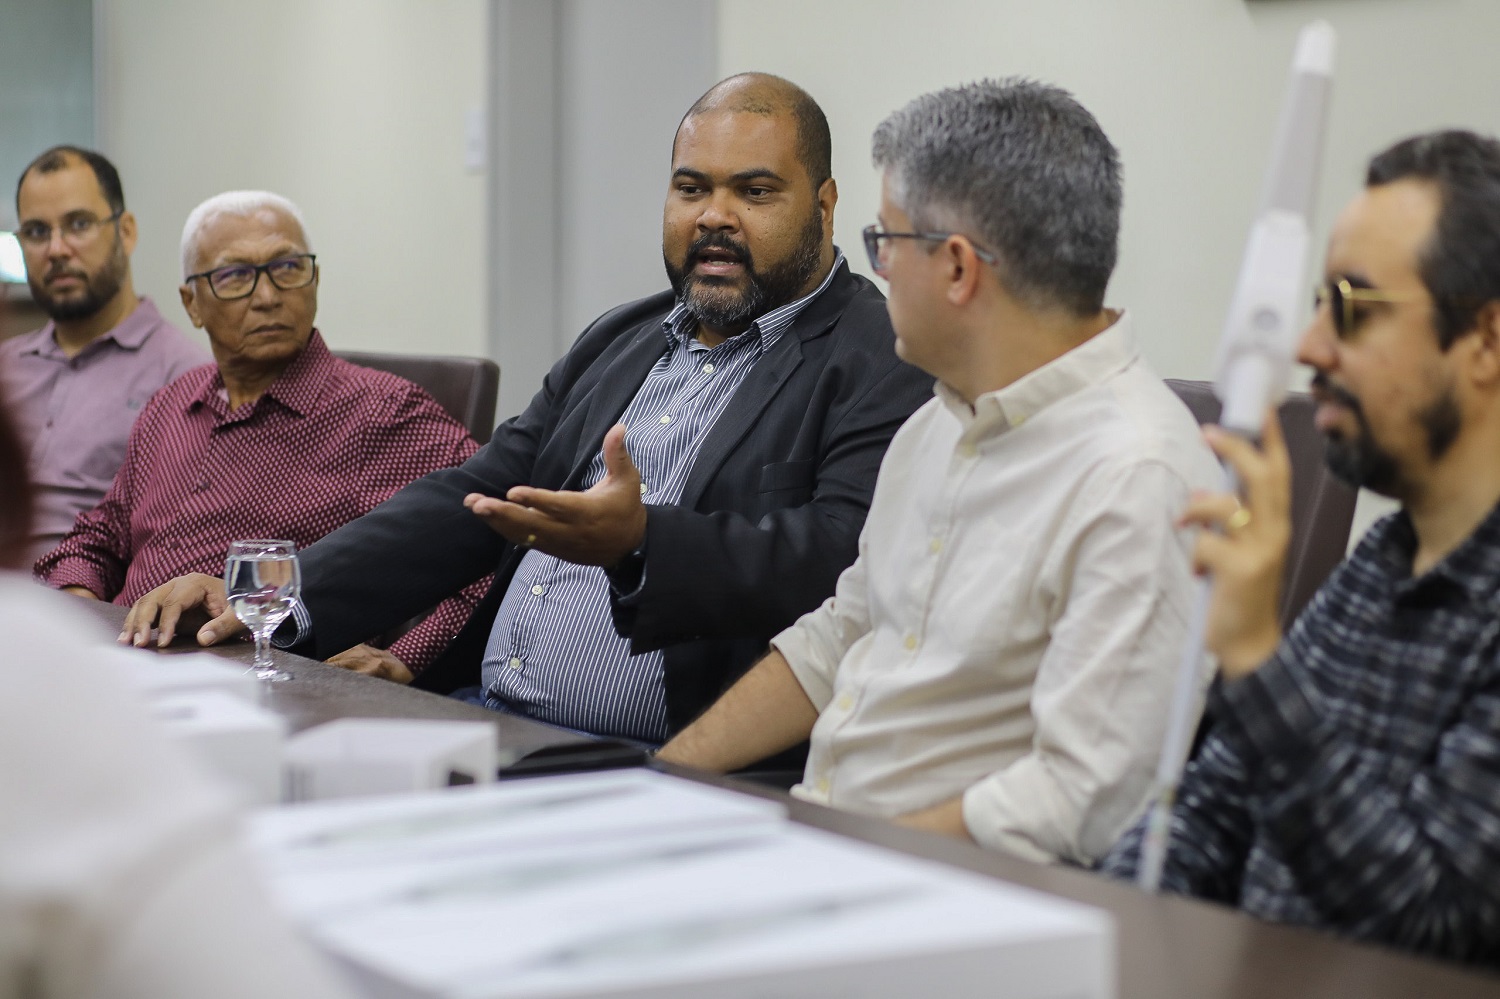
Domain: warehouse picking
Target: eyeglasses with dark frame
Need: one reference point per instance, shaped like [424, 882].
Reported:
[233, 282]
[1342, 296]
[874, 234]
[77, 230]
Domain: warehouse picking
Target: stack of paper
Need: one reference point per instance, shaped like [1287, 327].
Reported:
[635, 884]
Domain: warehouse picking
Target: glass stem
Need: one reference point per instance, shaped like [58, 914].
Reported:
[262, 649]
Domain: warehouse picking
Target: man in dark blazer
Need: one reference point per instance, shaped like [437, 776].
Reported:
[745, 517]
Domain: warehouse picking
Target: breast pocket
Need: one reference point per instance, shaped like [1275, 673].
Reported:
[787, 483]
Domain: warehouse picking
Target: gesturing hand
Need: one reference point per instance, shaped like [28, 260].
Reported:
[1247, 550]
[599, 526]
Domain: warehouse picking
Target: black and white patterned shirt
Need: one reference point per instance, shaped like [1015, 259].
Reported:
[553, 653]
[1353, 781]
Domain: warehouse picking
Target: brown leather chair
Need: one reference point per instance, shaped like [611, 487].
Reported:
[1322, 506]
[466, 387]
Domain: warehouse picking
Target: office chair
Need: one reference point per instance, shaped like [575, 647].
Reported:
[466, 387]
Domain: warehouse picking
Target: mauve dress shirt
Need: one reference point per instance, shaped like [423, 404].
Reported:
[327, 442]
[74, 414]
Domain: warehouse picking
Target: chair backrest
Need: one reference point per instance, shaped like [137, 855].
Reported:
[1322, 506]
[466, 387]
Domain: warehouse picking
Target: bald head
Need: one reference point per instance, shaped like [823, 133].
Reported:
[772, 96]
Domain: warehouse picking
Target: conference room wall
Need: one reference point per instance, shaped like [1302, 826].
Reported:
[1187, 89]
[355, 109]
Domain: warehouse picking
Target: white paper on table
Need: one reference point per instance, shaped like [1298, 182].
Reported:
[684, 892]
[505, 816]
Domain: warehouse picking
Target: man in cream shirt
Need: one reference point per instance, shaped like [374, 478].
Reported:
[998, 662]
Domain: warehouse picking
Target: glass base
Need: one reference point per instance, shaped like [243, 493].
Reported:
[270, 674]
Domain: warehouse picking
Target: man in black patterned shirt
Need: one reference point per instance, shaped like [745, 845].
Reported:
[1352, 780]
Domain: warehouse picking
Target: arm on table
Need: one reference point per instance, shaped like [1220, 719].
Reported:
[765, 712]
[776, 704]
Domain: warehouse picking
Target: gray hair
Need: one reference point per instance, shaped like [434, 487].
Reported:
[1022, 168]
[239, 203]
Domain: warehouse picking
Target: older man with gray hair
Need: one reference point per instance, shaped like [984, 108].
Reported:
[998, 661]
[277, 438]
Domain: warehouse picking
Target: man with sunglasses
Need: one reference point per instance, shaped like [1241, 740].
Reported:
[277, 438]
[76, 385]
[997, 663]
[1352, 777]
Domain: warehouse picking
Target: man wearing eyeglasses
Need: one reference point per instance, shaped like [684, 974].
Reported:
[1352, 776]
[998, 662]
[689, 478]
[76, 385]
[277, 438]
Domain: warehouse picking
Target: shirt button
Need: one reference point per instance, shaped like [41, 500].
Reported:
[845, 702]
[708, 369]
[1018, 421]
[824, 785]
[515, 664]
[538, 590]
[935, 545]
[910, 643]
[966, 450]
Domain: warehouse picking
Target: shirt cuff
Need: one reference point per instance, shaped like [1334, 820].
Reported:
[627, 577]
[294, 630]
[793, 646]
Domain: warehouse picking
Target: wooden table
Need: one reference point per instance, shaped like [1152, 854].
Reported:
[1169, 947]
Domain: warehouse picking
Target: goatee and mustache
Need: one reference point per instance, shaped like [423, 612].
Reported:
[1360, 461]
[720, 302]
[97, 290]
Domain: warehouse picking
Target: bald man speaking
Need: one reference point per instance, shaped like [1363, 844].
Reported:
[691, 478]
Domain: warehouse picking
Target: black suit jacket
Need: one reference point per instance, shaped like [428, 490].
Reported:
[769, 516]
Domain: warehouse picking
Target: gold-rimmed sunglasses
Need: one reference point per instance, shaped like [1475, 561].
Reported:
[1342, 296]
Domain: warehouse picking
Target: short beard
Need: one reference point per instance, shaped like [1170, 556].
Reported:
[713, 304]
[1363, 464]
[99, 290]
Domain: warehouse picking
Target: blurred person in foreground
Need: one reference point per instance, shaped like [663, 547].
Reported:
[997, 663]
[276, 439]
[1352, 776]
[635, 583]
[75, 386]
[121, 874]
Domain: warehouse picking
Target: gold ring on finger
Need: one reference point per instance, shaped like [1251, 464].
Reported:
[1238, 520]
[530, 540]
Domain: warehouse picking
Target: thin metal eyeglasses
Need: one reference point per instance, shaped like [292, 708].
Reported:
[1342, 296]
[874, 234]
[235, 281]
[77, 230]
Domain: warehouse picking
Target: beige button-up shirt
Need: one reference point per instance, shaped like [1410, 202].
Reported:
[1011, 629]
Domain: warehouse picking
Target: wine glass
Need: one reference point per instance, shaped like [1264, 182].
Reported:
[263, 582]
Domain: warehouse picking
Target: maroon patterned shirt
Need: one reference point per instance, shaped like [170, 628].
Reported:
[326, 443]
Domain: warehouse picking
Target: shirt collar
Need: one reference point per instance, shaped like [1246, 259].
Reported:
[298, 388]
[1088, 364]
[130, 333]
[1474, 566]
[680, 324]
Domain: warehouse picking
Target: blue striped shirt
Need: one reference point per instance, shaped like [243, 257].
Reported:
[553, 653]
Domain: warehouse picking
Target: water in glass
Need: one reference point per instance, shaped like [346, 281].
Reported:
[263, 582]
